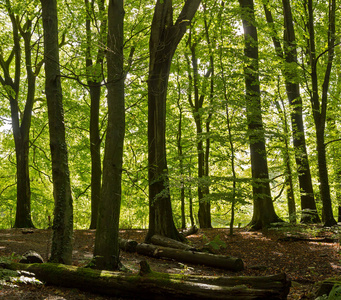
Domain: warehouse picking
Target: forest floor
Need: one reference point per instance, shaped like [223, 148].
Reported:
[263, 253]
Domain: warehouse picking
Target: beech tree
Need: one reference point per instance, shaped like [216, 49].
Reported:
[106, 252]
[319, 97]
[61, 248]
[21, 119]
[263, 209]
[164, 39]
[94, 81]
[292, 81]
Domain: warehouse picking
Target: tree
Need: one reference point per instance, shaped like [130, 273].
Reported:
[319, 103]
[263, 210]
[164, 39]
[94, 79]
[21, 122]
[292, 82]
[106, 252]
[61, 249]
[204, 212]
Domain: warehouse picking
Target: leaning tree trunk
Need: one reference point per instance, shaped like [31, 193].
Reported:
[263, 209]
[61, 250]
[164, 39]
[106, 252]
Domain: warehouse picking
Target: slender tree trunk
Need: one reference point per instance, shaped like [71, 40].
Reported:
[204, 212]
[61, 250]
[287, 164]
[319, 106]
[263, 209]
[94, 73]
[308, 205]
[20, 130]
[106, 252]
[164, 39]
[181, 161]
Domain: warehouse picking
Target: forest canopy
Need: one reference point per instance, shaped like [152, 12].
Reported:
[229, 111]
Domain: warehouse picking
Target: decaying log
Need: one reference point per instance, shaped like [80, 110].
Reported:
[128, 245]
[192, 230]
[152, 285]
[167, 242]
[296, 238]
[207, 259]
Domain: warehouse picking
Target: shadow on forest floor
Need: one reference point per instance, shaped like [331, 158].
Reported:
[263, 253]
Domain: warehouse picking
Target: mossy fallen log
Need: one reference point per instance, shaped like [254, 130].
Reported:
[201, 258]
[153, 285]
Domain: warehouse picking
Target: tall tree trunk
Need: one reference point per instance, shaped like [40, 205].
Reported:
[95, 77]
[61, 250]
[20, 130]
[164, 39]
[204, 212]
[263, 209]
[319, 106]
[181, 159]
[308, 205]
[106, 252]
[292, 85]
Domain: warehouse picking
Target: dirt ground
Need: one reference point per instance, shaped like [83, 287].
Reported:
[263, 253]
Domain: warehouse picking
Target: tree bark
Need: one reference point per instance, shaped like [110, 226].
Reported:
[201, 258]
[263, 209]
[106, 251]
[61, 251]
[154, 285]
[164, 38]
[94, 79]
[295, 101]
[319, 104]
[20, 130]
[167, 242]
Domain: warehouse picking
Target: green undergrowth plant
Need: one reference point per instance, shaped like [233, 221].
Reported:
[216, 244]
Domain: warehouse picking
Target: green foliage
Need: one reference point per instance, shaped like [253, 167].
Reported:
[216, 243]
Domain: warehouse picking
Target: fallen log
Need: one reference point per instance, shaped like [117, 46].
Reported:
[296, 238]
[153, 285]
[167, 242]
[201, 258]
[192, 230]
[128, 245]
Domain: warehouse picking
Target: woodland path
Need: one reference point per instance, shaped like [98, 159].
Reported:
[263, 253]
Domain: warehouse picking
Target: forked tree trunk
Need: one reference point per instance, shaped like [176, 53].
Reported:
[61, 249]
[21, 130]
[263, 209]
[164, 39]
[319, 103]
